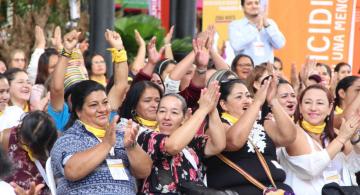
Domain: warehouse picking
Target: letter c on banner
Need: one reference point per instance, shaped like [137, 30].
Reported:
[311, 47]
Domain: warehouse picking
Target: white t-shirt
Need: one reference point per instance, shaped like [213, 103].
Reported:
[6, 189]
[10, 117]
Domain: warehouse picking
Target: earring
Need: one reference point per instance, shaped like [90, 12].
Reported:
[133, 113]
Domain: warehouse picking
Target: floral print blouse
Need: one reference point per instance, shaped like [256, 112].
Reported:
[168, 170]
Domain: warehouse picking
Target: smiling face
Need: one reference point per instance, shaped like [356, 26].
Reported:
[243, 67]
[4, 94]
[315, 106]
[96, 109]
[20, 87]
[148, 103]
[18, 60]
[170, 114]
[238, 100]
[287, 98]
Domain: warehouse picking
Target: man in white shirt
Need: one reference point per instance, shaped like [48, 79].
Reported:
[255, 35]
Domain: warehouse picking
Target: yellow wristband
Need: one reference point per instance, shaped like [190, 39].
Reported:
[118, 56]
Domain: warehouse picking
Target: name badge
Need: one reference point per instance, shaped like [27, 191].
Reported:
[259, 48]
[117, 169]
[331, 176]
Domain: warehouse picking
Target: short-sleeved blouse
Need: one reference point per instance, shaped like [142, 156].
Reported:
[99, 181]
[168, 170]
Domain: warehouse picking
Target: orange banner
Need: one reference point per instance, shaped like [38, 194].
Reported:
[321, 29]
[356, 54]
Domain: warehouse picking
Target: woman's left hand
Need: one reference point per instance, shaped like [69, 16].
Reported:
[110, 135]
[130, 134]
[34, 189]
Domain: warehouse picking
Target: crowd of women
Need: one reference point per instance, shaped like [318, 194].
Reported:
[157, 126]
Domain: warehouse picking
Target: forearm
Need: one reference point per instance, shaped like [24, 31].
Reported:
[216, 132]
[168, 52]
[182, 67]
[335, 147]
[148, 69]
[139, 60]
[57, 84]
[218, 60]
[285, 127]
[83, 163]
[140, 162]
[33, 65]
[182, 136]
[120, 85]
[237, 135]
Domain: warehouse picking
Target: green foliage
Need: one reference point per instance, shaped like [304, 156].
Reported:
[183, 45]
[22, 6]
[147, 26]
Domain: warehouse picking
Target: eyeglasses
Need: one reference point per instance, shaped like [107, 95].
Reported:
[99, 62]
[244, 65]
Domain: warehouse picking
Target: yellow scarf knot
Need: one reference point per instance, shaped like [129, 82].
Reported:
[99, 133]
[318, 129]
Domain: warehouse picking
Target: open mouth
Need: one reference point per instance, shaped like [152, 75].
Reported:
[290, 106]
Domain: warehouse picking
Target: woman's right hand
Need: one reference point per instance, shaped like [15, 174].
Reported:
[348, 128]
[110, 135]
[153, 55]
[261, 94]
[209, 97]
[70, 40]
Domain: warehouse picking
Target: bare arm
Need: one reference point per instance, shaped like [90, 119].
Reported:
[139, 60]
[167, 42]
[216, 131]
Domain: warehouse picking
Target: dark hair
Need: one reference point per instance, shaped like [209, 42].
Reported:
[2, 76]
[276, 59]
[88, 62]
[328, 69]
[5, 163]
[162, 64]
[11, 72]
[179, 97]
[339, 65]
[225, 89]
[79, 93]
[43, 65]
[37, 130]
[242, 2]
[237, 58]
[329, 128]
[127, 110]
[343, 84]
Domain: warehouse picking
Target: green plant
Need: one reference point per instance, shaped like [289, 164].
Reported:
[148, 26]
[183, 45]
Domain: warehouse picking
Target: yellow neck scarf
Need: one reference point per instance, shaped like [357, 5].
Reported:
[318, 129]
[29, 152]
[229, 117]
[146, 123]
[338, 110]
[101, 80]
[99, 133]
[26, 108]
[1, 113]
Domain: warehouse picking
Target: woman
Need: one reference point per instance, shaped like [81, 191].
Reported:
[342, 70]
[96, 67]
[17, 59]
[20, 88]
[177, 155]
[28, 147]
[242, 65]
[320, 154]
[256, 76]
[239, 114]
[92, 157]
[46, 65]
[325, 73]
[141, 103]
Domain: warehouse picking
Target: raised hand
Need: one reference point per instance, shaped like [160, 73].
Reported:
[210, 41]
[348, 127]
[34, 189]
[139, 40]
[56, 39]
[70, 40]
[153, 55]
[261, 94]
[130, 134]
[209, 97]
[308, 69]
[202, 55]
[114, 39]
[110, 135]
[40, 40]
[272, 90]
[168, 37]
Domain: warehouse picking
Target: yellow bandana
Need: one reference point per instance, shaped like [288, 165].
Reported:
[318, 129]
[338, 110]
[102, 80]
[229, 117]
[146, 123]
[99, 133]
[29, 152]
